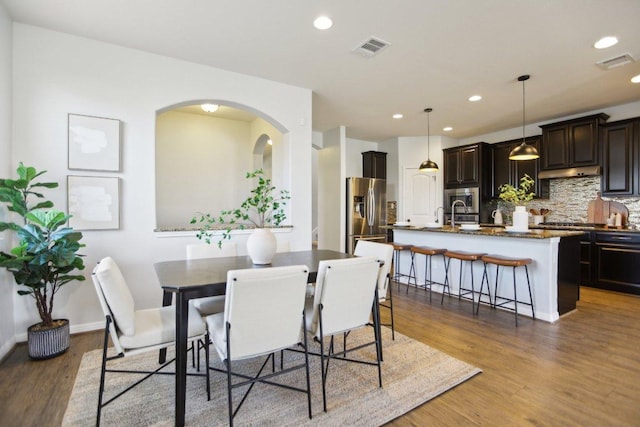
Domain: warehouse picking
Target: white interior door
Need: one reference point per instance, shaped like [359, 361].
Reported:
[419, 201]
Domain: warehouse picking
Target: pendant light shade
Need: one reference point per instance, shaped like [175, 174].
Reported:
[523, 151]
[428, 165]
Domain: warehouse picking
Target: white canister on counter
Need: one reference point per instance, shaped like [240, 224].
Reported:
[520, 218]
[497, 216]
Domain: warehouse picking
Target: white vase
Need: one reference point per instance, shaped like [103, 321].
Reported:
[261, 246]
[520, 218]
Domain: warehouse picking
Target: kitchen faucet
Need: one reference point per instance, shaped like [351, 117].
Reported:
[453, 211]
[436, 213]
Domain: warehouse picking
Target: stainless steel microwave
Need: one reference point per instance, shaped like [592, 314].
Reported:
[469, 196]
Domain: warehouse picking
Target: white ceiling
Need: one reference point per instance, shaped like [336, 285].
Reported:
[442, 51]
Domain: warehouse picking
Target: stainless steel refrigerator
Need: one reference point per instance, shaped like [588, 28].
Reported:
[366, 211]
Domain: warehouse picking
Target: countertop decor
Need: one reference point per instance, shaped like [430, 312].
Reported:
[519, 195]
[263, 208]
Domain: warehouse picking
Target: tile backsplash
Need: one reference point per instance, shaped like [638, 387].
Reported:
[569, 198]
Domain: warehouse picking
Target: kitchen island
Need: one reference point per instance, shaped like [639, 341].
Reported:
[554, 272]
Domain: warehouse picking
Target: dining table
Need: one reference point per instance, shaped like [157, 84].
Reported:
[182, 280]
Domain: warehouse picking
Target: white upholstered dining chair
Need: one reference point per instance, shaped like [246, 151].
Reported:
[264, 314]
[135, 331]
[384, 253]
[345, 295]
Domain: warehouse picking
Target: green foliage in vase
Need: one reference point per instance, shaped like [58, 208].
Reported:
[264, 207]
[519, 195]
[46, 254]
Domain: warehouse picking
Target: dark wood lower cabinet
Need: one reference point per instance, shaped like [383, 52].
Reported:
[611, 260]
[618, 262]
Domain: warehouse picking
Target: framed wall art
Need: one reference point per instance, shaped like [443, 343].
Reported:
[93, 202]
[94, 143]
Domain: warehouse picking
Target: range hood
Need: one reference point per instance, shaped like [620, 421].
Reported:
[570, 172]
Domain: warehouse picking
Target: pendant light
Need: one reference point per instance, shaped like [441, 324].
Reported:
[428, 165]
[523, 151]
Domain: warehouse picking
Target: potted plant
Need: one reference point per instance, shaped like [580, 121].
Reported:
[263, 208]
[44, 259]
[518, 197]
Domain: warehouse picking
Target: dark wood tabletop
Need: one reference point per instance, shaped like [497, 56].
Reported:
[185, 275]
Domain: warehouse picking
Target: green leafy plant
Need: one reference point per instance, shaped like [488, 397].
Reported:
[264, 207]
[519, 195]
[47, 251]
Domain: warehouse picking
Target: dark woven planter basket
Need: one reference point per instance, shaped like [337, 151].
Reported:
[48, 343]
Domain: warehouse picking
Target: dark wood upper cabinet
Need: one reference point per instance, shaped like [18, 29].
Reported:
[462, 166]
[505, 171]
[620, 142]
[571, 143]
[374, 164]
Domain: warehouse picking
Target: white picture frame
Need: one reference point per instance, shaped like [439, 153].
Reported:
[93, 143]
[93, 202]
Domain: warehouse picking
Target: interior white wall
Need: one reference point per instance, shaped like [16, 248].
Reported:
[7, 290]
[280, 151]
[68, 74]
[316, 142]
[332, 190]
[189, 157]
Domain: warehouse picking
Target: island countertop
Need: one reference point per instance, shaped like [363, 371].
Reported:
[493, 231]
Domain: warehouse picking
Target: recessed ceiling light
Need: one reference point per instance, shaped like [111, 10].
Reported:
[605, 42]
[323, 23]
[270, 142]
[475, 98]
[398, 116]
[210, 108]
[447, 129]
[635, 79]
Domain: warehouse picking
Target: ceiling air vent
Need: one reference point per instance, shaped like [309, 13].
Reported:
[618, 61]
[371, 47]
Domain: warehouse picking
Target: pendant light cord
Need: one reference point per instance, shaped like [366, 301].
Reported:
[428, 135]
[523, 104]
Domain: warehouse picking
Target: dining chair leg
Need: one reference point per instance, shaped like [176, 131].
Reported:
[229, 388]
[376, 326]
[322, 367]
[206, 359]
[306, 362]
[103, 369]
[393, 327]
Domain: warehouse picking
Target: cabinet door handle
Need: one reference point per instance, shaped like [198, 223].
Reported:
[621, 238]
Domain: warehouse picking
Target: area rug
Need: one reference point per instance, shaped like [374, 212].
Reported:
[412, 373]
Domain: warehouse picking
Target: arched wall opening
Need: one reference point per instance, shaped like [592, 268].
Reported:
[202, 158]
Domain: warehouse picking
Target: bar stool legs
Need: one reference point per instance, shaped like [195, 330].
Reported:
[501, 261]
[397, 274]
[428, 252]
[462, 292]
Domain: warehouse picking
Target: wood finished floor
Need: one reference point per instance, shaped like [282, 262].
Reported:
[581, 371]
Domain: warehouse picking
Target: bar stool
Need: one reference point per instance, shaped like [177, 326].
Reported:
[503, 261]
[397, 274]
[428, 252]
[462, 292]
